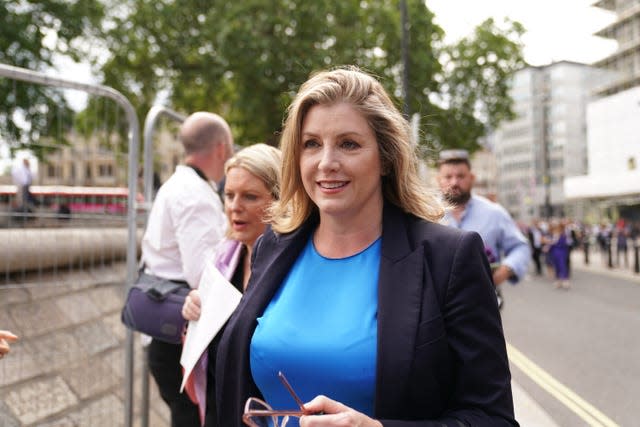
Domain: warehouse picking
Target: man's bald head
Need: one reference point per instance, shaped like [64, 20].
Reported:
[202, 131]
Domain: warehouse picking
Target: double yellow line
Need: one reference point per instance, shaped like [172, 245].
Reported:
[579, 406]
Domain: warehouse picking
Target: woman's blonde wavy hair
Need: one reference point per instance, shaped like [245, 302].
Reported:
[401, 184]
[262, 161]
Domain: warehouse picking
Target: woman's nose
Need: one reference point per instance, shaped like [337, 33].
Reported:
[234, 203]
[329, 159]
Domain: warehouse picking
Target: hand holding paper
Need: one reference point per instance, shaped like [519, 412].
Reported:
[219, 299]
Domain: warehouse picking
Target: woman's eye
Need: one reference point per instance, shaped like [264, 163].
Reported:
[251, 197]
[310, 143]
[350, 145]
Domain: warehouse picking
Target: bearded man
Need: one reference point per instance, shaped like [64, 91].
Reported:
[502, 237]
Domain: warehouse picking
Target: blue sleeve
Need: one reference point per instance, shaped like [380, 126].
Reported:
[517, 253]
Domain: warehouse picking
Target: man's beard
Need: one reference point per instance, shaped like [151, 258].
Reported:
[457, 198]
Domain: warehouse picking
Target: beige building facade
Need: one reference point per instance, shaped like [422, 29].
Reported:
[95, 162]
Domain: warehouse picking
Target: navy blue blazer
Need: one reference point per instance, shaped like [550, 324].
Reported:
[441, 356]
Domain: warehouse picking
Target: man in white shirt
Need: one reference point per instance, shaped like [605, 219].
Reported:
[22, 178]
[185, 225]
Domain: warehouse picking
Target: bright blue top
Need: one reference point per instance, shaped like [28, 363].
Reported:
[320, 329]
[498, 231]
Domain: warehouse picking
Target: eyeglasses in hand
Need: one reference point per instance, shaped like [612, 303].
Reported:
[257, 413]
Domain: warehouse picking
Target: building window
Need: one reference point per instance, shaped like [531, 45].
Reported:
[105, 170]
[631, 163]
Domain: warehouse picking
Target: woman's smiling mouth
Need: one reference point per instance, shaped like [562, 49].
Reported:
[331, 185]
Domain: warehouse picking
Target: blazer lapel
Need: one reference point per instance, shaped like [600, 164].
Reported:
[279, 253]
[233, 373]
[399, 302]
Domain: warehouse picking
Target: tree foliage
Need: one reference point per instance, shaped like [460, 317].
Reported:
[32, 33]
[474, 93]
[245, 60]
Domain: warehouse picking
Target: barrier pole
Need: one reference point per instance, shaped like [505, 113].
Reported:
[149, 128]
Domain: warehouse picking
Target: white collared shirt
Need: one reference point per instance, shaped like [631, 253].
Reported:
[185, 225]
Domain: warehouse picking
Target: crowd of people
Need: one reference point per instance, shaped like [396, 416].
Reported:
[553, 241]
[378, 297]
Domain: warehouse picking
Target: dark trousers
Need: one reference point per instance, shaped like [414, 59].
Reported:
[164, 364]
[535, 254]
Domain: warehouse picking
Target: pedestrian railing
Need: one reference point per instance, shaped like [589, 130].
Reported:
[65, 255]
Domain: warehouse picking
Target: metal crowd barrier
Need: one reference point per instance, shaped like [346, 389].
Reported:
[61, 290]
[150, 122]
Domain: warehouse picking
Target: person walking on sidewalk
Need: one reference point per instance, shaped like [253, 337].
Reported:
[534, 234]
[501, 235]
[622, 245]
[559, 250]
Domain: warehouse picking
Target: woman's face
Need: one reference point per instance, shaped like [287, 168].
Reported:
[340, 162]
[245, 199]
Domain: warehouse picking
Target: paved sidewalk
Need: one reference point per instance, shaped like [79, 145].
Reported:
[528, 412]
[598, 264]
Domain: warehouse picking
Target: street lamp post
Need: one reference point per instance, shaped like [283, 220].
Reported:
[405, 57]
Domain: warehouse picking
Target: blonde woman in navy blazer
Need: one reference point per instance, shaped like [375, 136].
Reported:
[438, 353]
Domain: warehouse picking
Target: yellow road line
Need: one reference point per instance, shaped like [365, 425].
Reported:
[579, 406]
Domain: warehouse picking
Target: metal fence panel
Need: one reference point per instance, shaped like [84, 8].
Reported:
[64, 262]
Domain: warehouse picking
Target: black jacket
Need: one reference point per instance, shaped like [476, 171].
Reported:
[441, 357]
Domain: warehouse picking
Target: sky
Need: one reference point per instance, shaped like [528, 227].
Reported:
[556, 29]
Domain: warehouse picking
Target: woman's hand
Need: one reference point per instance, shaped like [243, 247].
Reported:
[334, 414]
[6, 337]
[191, 307]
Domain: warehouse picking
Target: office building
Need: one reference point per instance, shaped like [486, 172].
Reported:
[610, 189]
[547, 140]
[626, 31]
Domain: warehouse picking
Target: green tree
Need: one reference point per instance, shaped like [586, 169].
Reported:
[32, 33]
[242, 59]
[475, 78]
[246, 59]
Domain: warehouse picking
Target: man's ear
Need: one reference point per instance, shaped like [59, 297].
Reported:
[220, 151]
[473, 178]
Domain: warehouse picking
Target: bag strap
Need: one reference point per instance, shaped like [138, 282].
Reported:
[143, 265]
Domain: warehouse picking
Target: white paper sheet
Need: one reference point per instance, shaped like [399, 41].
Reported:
[218, 298]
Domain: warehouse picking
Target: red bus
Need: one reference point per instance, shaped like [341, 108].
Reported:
[71, 199]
